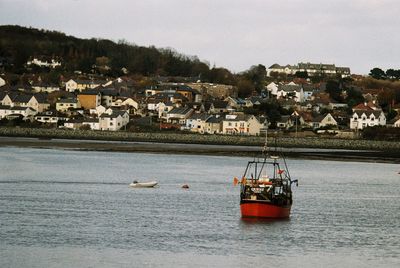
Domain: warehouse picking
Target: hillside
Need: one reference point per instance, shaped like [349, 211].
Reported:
[18, 44]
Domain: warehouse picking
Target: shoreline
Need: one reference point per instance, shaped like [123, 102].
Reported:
[199, 149]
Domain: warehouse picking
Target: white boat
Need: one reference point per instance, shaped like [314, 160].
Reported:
[148, 184]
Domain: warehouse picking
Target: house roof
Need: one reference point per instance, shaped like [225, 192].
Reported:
[68, 100]
[22, 98]
[89, 92]
[201, 116]
[220, 104]
[366, 106]
[180, 110]
[215, 119]
[368, 113]
[275, 66]
[290, 88]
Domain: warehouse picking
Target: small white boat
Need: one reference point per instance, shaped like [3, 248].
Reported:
[148, 184]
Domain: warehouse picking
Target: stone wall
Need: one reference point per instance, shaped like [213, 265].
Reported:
[168, 137]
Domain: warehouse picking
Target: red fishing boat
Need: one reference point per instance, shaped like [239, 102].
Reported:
[266, 188]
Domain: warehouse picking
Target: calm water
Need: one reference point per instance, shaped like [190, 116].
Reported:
[75, 209]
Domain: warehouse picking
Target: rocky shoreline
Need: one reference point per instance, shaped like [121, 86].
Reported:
[173, 143]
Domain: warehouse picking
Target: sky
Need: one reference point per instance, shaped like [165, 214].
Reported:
[236, 34]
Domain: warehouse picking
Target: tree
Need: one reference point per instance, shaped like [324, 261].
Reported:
[353, 97]
[377, 73]
[303, 74]
[333, 88]
[390, 73]
[245, 88]
[256, 74]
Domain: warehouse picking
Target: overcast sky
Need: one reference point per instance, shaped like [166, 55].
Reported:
[235, 34]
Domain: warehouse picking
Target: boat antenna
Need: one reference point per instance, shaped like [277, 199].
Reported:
[265, 148]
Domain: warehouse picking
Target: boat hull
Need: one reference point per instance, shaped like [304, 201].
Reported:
[143, 184]
[264, 210]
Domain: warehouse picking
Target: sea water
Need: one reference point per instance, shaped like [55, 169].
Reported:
[62, 208]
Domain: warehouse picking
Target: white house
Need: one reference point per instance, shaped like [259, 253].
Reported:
[368, 118]
[71, 85]
[114, 120]
[240, 124]
[272, 88]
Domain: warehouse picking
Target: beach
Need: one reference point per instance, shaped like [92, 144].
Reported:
[381, 156]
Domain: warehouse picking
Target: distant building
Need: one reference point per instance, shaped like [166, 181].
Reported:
[312, 69]
[44, 61]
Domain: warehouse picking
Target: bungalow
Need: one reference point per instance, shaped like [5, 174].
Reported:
[367, 118]
[324, 121]
[10, 112]
[50, 117]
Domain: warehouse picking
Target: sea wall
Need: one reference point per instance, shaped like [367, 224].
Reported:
[170, 137]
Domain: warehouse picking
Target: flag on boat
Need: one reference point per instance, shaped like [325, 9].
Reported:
[280, 171]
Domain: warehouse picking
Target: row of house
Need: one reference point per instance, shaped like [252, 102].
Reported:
[184, 107]
[312, 69]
